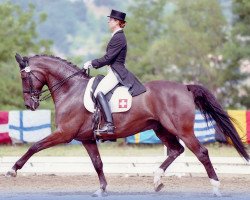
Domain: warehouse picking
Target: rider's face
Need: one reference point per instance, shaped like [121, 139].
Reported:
[113, 23]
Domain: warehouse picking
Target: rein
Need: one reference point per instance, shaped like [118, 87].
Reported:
[59, 85]
[35, 95]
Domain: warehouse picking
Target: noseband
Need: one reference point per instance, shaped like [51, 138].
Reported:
[35, 94]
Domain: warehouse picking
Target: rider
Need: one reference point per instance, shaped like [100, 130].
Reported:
[117, 73]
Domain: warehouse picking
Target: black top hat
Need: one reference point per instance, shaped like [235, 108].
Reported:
[117, 15]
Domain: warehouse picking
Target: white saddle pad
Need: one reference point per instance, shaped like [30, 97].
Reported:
[120, 101]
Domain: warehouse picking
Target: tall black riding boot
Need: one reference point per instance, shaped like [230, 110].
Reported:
[108, 125]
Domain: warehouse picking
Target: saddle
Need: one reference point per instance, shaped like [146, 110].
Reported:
[119, 98]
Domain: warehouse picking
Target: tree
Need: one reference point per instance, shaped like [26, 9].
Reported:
[182, 41]
[18, 31]
[143, 28]
[18, 34]
[195, 31]
[236, 51]
[172, 39]
[63, 21]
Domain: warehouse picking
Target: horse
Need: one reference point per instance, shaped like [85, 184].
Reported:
[166, 107]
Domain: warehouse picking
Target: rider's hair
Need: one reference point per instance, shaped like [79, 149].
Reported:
[122, 24]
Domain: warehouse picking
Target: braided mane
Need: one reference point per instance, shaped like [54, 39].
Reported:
[66, 62]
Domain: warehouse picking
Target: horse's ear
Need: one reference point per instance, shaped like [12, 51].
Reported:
[20, 60]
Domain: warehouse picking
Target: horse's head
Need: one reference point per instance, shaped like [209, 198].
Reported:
[32, 82]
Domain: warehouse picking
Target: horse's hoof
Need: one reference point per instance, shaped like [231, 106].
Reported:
[217, 193]
[100, 193]
[159, 187]
[11, 173]
[216, 185]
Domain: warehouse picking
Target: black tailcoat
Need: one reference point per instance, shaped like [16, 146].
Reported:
[115, 56]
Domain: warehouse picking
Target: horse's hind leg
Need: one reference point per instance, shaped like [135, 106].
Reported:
[49, 141]
[202, 154]
[174, 148]
[94, 154]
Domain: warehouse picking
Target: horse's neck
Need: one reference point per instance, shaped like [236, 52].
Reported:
[59, 83]
[57, 74]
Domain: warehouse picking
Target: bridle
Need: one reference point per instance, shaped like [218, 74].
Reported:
[35, 94]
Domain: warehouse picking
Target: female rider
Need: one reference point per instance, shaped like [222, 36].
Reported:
[117, 72]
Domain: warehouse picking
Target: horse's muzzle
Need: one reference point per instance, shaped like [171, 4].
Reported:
[32, 105]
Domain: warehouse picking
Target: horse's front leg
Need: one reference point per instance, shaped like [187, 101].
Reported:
[55, 138]
[94, 154]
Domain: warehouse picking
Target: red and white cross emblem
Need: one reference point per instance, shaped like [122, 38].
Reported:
[123, 103]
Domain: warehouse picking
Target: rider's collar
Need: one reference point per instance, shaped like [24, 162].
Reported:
[116, 31]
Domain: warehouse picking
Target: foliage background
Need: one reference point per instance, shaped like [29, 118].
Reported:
[202, 42]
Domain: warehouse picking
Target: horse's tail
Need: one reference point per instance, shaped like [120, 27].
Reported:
[210, 107]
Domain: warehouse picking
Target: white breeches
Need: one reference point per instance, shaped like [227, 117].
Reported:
[107, 83]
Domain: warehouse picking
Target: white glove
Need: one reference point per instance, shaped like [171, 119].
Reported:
[87, 65]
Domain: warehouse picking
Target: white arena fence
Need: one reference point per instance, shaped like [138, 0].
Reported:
[135, 166]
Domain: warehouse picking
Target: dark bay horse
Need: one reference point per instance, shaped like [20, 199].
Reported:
[166, 107]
